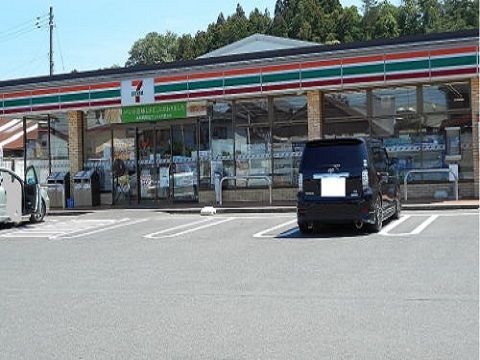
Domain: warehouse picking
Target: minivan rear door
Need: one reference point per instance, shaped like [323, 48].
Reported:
[3, 199]
[14, 195]
[333, 168]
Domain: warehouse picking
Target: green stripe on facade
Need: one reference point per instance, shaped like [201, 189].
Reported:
[171, 88]
[107, 94]
[363, 69]
[407, 65]
[205, 84]
[16, 102]
[313, 74]
[281, 77]
[247, 80]
[45, 100]
[74, 97]
[454, 61]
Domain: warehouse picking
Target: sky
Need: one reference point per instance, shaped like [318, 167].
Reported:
[94, 34]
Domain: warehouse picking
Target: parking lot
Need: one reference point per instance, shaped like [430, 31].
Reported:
[144, 284]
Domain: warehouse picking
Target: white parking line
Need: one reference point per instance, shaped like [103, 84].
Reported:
[393, 225]
[416, 231]
[262, 233]
[69, 229]
[126, 223]
[209, 223]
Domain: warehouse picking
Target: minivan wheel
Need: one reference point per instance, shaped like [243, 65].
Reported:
[378, 217]
[398, 210]
[39, 216]
[304, 229]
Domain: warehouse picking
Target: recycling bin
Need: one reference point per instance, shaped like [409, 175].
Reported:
[86, 188]
[58, 189]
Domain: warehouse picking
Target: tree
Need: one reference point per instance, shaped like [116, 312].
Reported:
[349, 25]
[409, 17]
[386, 25]
[186, 49]
[154, 49]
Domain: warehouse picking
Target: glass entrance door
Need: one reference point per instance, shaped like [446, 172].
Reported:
[124, 167]
[184, 162]
[146, 164]
[163, 155]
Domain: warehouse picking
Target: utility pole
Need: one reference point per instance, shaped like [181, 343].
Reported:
[50, 23]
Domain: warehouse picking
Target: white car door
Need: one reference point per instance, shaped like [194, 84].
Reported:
[3, 200]
[14, 196]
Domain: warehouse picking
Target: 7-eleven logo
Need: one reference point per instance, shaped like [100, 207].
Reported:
[138, 91]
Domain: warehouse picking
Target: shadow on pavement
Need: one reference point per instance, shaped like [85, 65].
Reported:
[324, 232]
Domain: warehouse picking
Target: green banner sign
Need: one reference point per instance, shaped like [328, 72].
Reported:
[177, 110]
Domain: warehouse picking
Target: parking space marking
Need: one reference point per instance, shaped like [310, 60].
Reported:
[415, 231]
[265, 233]
[163, 234]
[392, 225]
[69, 229]
[116, 226]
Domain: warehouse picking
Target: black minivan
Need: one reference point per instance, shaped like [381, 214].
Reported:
[346, 180]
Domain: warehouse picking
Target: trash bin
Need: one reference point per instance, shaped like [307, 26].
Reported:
[86, 188]
[58, 189]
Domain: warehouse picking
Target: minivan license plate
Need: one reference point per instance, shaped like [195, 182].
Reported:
[333, 187]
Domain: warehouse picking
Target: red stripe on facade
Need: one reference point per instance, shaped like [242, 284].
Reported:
[423, 74]
[281, 86]
[108, 85]
[321, 63]
[17, 111]
[450, 72]
[171, 97]
[363, 79]
[46, 107]
[362, 59]
[252, 89]
[106, 102]
[206, 93]
[75, 105]
[320, 83]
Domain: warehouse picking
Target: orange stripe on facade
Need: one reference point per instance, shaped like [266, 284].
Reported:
[314, 64]
[247, 71]
[400, 56]
[465, 49]
[74, 88]
[208, 75]
[44, 92]
[167, 79]
[281, 67]
[115, 84]
[17, 94]
[362, 59]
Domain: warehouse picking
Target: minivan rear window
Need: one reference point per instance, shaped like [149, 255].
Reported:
[342, 157]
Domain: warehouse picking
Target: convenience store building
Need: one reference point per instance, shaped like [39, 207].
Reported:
[158, 134]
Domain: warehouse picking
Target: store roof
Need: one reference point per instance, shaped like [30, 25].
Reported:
[258, 43]
[11, 133]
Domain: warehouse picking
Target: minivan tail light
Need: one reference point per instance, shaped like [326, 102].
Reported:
[300, 182]
[365, 179]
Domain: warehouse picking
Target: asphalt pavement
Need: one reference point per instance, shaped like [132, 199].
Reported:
[138, 284]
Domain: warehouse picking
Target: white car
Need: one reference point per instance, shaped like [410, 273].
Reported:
[22, 200]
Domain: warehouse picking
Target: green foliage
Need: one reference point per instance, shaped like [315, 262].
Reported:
[323, 21]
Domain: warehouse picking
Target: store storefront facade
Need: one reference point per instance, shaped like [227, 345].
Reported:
[161, 134]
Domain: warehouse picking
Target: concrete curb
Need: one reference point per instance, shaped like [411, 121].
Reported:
[266, 209]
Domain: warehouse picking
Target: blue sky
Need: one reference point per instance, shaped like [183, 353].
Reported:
[93, 34]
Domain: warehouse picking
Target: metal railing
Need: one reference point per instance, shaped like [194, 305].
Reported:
[247, 177]
[427, 171]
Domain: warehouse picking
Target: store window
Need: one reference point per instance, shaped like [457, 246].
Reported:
[290, 132]
[345, 114]
[221, 141]
[446, 97]
[252, 141]
[98, 143]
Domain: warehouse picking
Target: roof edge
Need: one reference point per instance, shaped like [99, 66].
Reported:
[244, 57]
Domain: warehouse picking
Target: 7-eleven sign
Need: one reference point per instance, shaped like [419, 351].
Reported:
[138, 92]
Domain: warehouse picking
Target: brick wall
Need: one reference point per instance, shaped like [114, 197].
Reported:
[75, 143]
[315, 108]
[475, 120]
